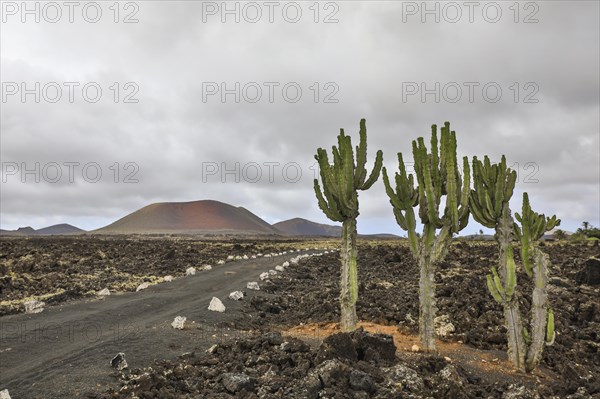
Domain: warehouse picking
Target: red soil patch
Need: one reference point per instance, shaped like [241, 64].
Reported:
[491, 363]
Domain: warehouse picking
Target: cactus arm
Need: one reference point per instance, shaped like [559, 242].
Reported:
[511, 274]
[451, 178]
[428, 181]
[361, 155]
[330, 210]
[375, 172]
[550, 334]
[492, 288]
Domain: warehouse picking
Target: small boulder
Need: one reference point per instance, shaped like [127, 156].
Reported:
[331, 371]
[207, 267]
[221, 262]
[443, 326]
[179, 322]
[286, 264]
[236, 295]
[34, 306]
[142, 286]
[168, 279]
[190, 271]
[104, 292]
[400, 375]
[118, 362]
[245, 257]
[4, 394]
[361, 381]
[216, 305]
[279, 268]
[212, 349]
[253, 285]
[516, 391]
[235, 382]
[230, 257]
[264, 276]
[272, 272]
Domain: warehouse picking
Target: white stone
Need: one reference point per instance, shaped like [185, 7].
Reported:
[285, 264]
[267, 255]
[221, 262]
[284, 252]
[216, 305]
[207, 267]
[253, 256]
[245, 257]
[279, 268]
[230, 257]
[104, 292]
[259, 255]
[4, 394]
[272, 272]
[236, 295]
[168, 279]
[253, 285]
[237, 257]
[326, 252]
[212, 349]
[190, 271]
[179, 322]
[443, 326]
[264, 276]
[34, 306]
[118, 362]
[142, 286]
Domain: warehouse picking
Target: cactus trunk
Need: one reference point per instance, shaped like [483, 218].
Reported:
[512, 315]
[349, 279]
[427, 307]
[539, 310]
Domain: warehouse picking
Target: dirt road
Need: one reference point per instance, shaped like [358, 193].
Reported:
[65, 351]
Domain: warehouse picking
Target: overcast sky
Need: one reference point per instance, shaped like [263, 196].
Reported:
[171, 131]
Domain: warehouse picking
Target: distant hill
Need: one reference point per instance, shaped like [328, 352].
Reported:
[57, 229]
[62, 228]
[303, 227]
[204, 216]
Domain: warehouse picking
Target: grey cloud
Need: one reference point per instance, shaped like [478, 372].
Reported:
[171, 132]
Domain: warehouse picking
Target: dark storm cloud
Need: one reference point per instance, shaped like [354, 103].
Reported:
[177, 140]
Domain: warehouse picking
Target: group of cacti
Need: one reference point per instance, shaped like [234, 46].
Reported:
[437, 175]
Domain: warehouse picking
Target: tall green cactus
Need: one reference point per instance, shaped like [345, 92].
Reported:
[533, 226]
[437, 175]
[489, 204]
[339, 202]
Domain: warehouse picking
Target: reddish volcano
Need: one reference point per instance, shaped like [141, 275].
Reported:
[204, 216]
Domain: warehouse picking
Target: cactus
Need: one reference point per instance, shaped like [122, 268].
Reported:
[339, 201]
[489, 205]
[437, 175]
[493, 189]
[535, 262]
